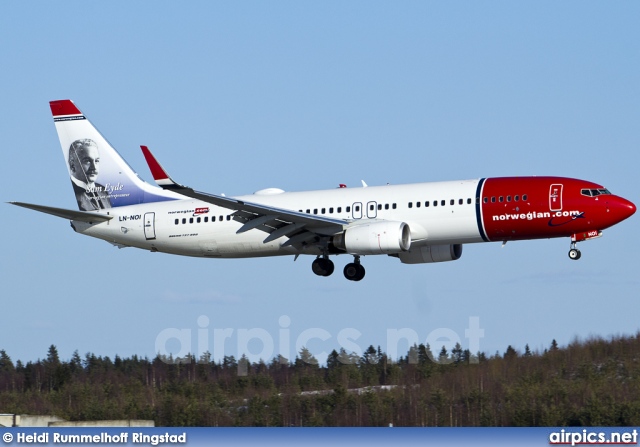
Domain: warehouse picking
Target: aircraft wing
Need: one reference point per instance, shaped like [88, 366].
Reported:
[83, 216]
[299, 227]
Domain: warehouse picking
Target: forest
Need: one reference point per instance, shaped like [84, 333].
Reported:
[594, 382]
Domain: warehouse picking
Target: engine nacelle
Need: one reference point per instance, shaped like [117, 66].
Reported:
[431, 253]
[375, 239]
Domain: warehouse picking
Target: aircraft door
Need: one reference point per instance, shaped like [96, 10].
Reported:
[356, 210]
[372, 210]
[555, 197]
[150, 225]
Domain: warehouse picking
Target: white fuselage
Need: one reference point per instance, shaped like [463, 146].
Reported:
[194, 228]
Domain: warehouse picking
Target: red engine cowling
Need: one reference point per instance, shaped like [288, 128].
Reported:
[431, 253]
[375, 239]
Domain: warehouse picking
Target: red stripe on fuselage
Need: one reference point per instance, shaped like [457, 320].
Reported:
[516, 208]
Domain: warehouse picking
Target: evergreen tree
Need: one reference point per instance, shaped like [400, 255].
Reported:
[52, 356]
[424, 354]
[333, 360]
[370, 356]
[510, 353]
[443, 357]
[306, 358]
[6, 365]
[456, 354]
[413, 356]
[76, 362]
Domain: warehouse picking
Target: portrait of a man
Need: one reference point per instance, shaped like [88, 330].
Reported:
[84, 166]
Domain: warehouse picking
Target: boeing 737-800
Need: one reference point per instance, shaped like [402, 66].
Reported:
[416, 223]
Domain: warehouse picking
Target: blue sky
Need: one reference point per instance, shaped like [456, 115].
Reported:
[236, 97]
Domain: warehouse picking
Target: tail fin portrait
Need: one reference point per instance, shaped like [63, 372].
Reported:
[100, 177]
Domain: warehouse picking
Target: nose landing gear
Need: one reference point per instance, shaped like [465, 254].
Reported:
[574, 253]
[354, 271]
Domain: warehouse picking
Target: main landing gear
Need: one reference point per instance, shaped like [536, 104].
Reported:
[323, 266]
[354, 271]
[574, 253]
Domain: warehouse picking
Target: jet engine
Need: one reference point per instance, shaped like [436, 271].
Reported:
[374, 239]
[430, 253]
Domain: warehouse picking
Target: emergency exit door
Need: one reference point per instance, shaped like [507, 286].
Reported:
[555, 197]
[150, 225]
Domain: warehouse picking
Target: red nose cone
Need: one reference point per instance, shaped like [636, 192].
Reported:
[623, 208]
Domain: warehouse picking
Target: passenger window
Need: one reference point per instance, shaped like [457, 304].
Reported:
[460, 202]
[379, 206]
[493, 199]
[418, 204]
[198, 220]
[177, 221]
[221, 218]
[386, 206]
[206, 219]
[191, 220]
[330, 210]
[524, 197]
[469, 201]
[394, 206]
[324, 211]
[308, 211]
[508, 198]
[184, 221]
[410, 204]
[516, 198]
[357, 208]
[348, 209]
[213, 218]
[435, 203]
[339, 209]
[501, 199]
[371, 207]
[485, 200]
[452, 202]
[426, 204]
[442, 203]
[315, 211]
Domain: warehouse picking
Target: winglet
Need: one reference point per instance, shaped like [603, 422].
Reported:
[159, 174]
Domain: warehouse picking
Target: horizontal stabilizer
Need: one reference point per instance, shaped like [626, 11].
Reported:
[83, 216]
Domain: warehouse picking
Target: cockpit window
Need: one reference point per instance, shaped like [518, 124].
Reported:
[594, 192]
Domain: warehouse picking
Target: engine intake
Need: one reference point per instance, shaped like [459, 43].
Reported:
[374, 239]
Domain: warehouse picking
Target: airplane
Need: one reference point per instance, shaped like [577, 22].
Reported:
[416, 223]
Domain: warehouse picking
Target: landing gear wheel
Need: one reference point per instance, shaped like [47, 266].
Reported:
[574, 254]
[354, 271]
[322, 267]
